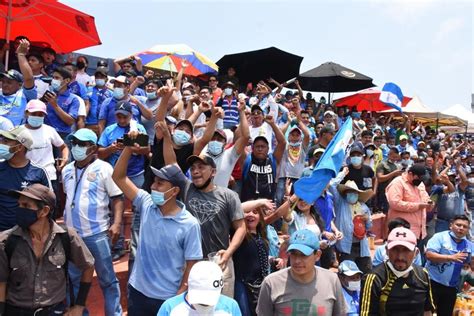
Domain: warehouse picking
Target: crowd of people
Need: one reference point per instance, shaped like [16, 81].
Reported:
[207, 167]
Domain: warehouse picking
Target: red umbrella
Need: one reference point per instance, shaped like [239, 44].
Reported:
[65, 29]
[368, 100]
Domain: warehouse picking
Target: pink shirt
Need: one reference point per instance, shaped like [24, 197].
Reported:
[403, 199]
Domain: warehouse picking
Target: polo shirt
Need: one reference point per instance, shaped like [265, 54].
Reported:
[69, 103]
[178, 306]
[165, 244]
[88, 193]
[13, 106]
[136, 163]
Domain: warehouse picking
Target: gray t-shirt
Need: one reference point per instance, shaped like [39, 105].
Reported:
[215, 211]
[280, 294]
[294, 169]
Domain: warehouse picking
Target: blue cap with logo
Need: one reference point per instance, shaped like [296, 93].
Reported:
[349, 268]
[84, 135]
[123, 107]
[304, 241]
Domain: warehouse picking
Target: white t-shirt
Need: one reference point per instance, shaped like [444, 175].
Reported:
[225, 163]
[264, 130]
[83, 78]
[41, 153]
[40, 85]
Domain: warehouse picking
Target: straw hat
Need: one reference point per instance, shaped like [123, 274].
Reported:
[352, 186]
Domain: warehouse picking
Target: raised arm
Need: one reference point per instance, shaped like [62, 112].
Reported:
[165, 93]
[209, 131]
[281, 141]
[243, 140]
[120, 174]
[21, 51]
[169, 155]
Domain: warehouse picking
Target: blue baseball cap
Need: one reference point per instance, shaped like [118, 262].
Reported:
[123, 107]
[305, 241]
[349, 268]
[12, 74]
[84, 135]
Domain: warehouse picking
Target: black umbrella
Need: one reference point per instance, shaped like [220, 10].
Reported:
[332, 77]
[261, 64]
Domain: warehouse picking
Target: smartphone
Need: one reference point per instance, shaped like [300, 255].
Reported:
[141, 140]
[119, 140]
[47, 94]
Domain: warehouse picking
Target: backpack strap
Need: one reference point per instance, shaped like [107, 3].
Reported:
[246, 166]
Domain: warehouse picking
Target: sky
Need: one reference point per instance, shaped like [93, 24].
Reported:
[424, 46]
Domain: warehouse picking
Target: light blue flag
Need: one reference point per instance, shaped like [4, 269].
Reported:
[310, 188]
[392, 96]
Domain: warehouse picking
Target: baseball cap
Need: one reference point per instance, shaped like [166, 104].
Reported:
[242, 96]
[102, 63]
[170, 120]
[401, 236]
[305, 241]
[329, 113]
[205, 283]
[229, 84]
[187, 122]
[101, 70]
[205, 159]
[171, 173]
[318, 150]
[356, 149]
[37, 192]
[295, 128]
[260, 138]
[121, 79]
[349, 268]
[289, 93]
[13, 75]
[255, 108]
[36, 105]
[20, 134]
[123, 107]
[403, 137]
[84, 135]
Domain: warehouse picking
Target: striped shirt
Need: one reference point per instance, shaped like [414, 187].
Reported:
[88, 193]
[231, 112]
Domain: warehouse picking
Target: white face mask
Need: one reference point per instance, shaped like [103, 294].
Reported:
[464, 272]
[471, 180]
[397, 273]
[353, 285]
[204, 310]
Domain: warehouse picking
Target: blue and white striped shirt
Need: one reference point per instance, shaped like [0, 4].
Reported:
[88, 193]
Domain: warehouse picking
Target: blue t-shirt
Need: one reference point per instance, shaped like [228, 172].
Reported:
[166, 243]
[69, 103]
[136, 163]
[139, 92]
[13, 106]
[78, 89]
[178, 306]
[447, 273]
[96, 98]
[352, 302]
[16, 179]
[107, 111]
[325, 206]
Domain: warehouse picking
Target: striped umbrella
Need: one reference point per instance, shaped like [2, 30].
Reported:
[170, 57]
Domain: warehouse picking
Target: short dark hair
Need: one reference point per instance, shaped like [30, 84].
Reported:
[70, 64]
[397, 222]
[418, 169]
[205, 88]
[460, 217]
[366, 133]
[66, 74]
[378, 138]
[304, 112]
[37, 56]
[155, 81]
[84, 57]
[394, 150]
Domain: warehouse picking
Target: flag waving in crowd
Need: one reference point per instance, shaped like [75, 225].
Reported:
[392, 96]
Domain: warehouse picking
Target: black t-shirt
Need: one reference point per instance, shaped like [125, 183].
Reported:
[158, 160]
[259, 181]
[362, 177]
[246, 262]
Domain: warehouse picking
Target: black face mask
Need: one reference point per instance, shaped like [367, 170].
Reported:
[81, 65]
[25, 217]
[204, 185]
[416, 182]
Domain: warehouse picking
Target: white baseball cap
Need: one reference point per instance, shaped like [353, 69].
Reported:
[205, 283]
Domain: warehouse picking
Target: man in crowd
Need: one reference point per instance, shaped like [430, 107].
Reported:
[303, 287]
[97, 94]
[350, 276]
[36, 63]
[397, 287]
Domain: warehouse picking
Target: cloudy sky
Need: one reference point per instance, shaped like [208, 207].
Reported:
[426, 47]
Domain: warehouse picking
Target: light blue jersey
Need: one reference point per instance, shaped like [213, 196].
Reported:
[13, 106]
[178, 306]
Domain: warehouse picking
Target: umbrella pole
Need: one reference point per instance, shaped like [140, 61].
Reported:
[7, 35]
[329, 98]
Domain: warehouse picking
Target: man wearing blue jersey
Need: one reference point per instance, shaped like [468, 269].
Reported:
[89, 190]
[14, 95]
[446, 253]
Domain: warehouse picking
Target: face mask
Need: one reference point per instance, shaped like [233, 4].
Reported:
[100, 82]
[353, 286]
[25, 217]
[453, 235]
[464, 272]
[35, 121]
[215, 147]
[352, 198]
[181, 137]
[158, 197]
[5, 152]
[397, 273]
[79, 153]
[81, 65]
[228, 91]
[187, 98]
[369, 152]
[56, 85]
[407, 162]
[151, 95]
[356, 161]
[416, 182]
[118, 93]
[204, 310]
[471, 180]
[296, 144]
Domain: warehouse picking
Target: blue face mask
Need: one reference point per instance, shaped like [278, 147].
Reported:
[352, 197]
[228, 91]
[158, 197]
[181, 138]
[26, 217]
[151, 95]
[79, 153]
[215, 147]
[35, 121]
[100, 82]
[118, 93]
[5, 152]
[56, 85]
[296, 144]
[356, 160]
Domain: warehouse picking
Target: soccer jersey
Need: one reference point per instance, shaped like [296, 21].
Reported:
[87, 197]
[178, 306]
[13, 106]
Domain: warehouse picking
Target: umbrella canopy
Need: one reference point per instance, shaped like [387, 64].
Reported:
[262, 64]
[332, 77]
[63, 28]
[169, 58]
[368, 100]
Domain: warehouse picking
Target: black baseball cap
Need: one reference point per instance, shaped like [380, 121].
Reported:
[205, 159]
[171, 173]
